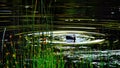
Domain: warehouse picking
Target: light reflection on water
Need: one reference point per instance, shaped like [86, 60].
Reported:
[68, 37]
[98, 58]
[73, 51]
